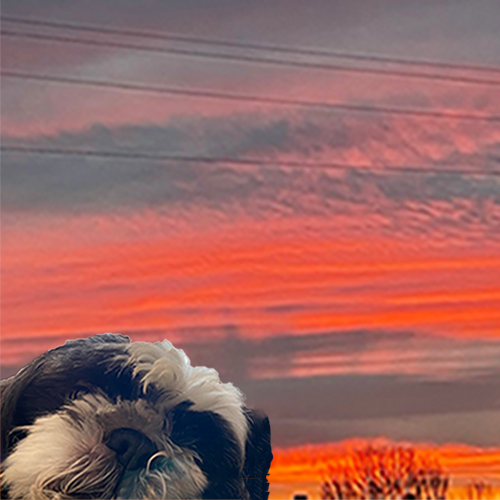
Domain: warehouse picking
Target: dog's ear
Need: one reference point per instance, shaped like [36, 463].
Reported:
[44, 385]
[11, 390]
[258, 454]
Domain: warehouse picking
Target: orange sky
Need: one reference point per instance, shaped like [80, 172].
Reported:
[303, 468]
[340, 282]
[303, 266]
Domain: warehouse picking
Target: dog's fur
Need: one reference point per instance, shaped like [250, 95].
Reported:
[60, 415]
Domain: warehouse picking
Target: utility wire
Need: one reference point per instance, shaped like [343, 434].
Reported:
[249, 45]
[137, 155]
[209, 94]
[253, 59]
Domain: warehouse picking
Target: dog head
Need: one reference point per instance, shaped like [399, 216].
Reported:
[107, 418]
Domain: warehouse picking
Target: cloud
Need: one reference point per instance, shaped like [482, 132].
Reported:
[54, 183]
[359, 352]
[476, 428]
[318, 409]
[356, 352]
[34, 182]
[382, 25]
[452, 206]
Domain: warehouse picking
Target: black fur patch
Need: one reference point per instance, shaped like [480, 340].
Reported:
[212, 438]
[258, 455]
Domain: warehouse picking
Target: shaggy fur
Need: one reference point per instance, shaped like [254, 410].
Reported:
[106, 418]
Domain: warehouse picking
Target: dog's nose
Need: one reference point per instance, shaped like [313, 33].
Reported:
[133, 449]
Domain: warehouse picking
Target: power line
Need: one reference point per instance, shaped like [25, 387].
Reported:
[209, 94]
[138, 155]
[252, 46]
[253, 59]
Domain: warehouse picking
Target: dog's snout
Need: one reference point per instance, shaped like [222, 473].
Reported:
[133, 449]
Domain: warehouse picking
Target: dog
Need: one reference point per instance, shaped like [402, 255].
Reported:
[107, 418]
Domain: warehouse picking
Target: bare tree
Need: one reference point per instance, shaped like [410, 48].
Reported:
[479, 490]
[385, 473]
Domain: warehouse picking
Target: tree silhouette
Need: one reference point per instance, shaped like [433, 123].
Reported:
[479, 490]
[385, 473]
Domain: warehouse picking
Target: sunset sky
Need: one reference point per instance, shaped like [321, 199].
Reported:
[346, 303]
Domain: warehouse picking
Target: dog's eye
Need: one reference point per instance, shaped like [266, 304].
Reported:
[79, 391]
[167, 424]
[191, 427]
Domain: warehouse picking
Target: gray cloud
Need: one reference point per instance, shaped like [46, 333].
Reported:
[424, 357]
[318, 409]
[429, 30]
[55, 183]
[476, 428]
[404, 201]
[59, 182]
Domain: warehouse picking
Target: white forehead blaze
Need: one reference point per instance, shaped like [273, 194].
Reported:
[166, 367]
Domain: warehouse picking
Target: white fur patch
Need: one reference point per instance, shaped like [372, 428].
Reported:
[169, 368]
[52, 446]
